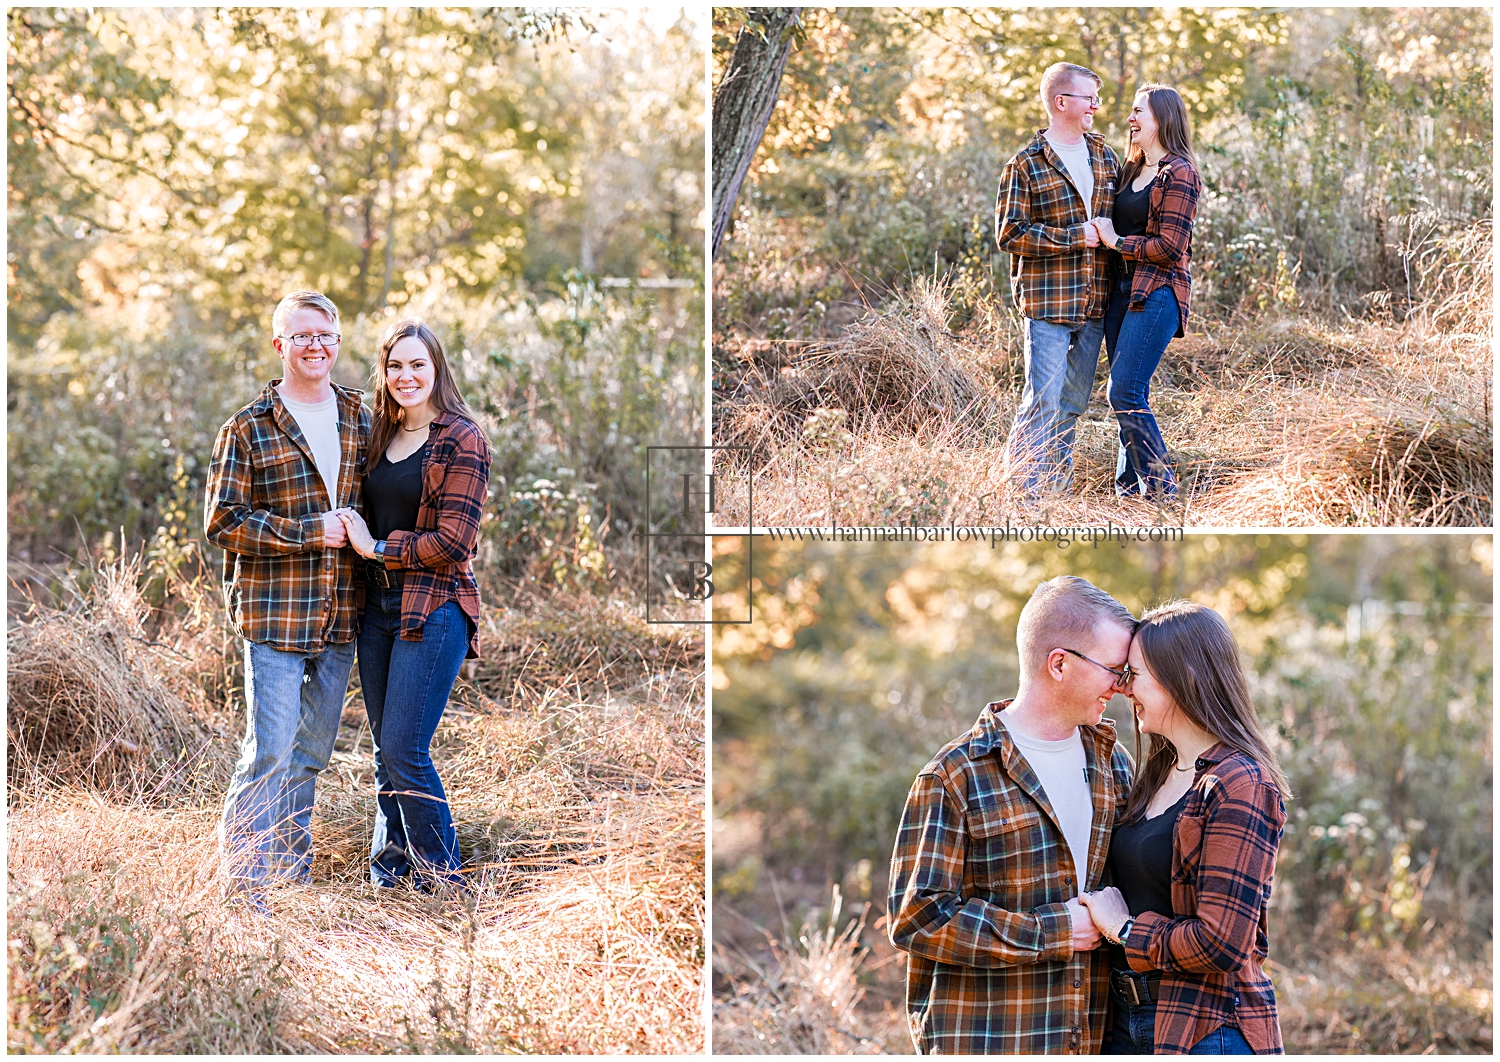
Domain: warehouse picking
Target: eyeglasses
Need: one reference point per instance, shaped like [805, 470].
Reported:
[1123, 674]
[323, 339]
[1096, 101]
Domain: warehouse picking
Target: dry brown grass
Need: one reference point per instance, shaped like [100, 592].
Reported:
[578, 796]
[803, 998]
[1274, 421]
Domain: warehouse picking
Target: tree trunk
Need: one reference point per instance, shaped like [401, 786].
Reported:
[743, 103]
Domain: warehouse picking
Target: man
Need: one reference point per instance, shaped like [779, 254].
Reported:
[1003, 830]
[281, 467]
[1050, 192]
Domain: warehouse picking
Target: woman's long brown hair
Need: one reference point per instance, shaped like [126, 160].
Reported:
[388, 412]
[1173, 132]
[1190, 652]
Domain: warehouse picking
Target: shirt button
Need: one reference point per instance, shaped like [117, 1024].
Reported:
[1077, 984]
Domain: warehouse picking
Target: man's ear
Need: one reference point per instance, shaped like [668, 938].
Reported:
[1055, 661]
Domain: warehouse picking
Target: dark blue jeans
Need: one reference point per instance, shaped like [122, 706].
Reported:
[1134, 1030]
[1136, 342]
[406, 686]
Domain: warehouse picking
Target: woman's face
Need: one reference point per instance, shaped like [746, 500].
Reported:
[1142, 123]
[410, 374]
[1154, 707]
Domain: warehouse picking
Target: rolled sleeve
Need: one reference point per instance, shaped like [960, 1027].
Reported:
[1170, 244]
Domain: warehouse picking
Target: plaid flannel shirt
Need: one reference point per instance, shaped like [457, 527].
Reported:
[1039, 221]
[437, 558]
[1212, 950]
[264, 505]
[979, 878]
[1163, 256]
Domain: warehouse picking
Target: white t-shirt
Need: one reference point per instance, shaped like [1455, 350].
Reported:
[320, 427]
[1076, 158]
[1060, 766]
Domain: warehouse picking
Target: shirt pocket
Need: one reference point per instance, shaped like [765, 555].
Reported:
[281, 481]
[1009, 855]
[1054, 199]
[1187, 855]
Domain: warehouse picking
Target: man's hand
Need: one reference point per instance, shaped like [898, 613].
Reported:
[1090, 234]
[334, 534]
[1105, 229]
[1108, 909]
[1086, 935]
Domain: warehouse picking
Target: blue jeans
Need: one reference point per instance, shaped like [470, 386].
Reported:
[1060, 364]
[293, 702]
[406, 687]
[1136, 342]
[1134, 1029]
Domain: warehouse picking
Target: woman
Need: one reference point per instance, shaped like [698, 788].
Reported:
[1152, 229]
[426, 477]
[1194, 851]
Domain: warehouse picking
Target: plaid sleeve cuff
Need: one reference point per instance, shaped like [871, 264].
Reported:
[395, 544]
[1057, 932]
[1148, 926]
[312, 530]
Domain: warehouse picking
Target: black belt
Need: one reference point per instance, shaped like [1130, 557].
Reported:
[381, 576]
[1135, 988]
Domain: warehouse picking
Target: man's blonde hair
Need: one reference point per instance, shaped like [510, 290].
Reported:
[1065, 613]
[302, 300]
[1057, 77]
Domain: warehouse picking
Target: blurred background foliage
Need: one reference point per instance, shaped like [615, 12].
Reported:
[1370, 660]
[1337, 146]
[525, 180]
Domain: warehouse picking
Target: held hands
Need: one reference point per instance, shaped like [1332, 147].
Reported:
[334, 534]
[1090, 234]
[1086, 936]
[1108, 910]
[359, 535]
[1105, 229]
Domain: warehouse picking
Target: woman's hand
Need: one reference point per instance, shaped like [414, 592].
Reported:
[359, 535]
[1108, 909]
[1107, 235]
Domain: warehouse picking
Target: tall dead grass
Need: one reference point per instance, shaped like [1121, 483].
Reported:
[803, 997]
[1273, 419]
[577, 790]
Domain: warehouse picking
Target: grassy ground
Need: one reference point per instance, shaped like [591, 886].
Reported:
[842, 992]
[572, 756]
[1284, 419]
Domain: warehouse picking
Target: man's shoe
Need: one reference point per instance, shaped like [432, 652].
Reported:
[249, 901]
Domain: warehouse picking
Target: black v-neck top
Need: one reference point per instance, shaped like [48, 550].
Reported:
[1131, 208]
[393, 493]
[1140, 860]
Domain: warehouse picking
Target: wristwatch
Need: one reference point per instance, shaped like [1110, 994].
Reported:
[1123, 933]
[380, 551]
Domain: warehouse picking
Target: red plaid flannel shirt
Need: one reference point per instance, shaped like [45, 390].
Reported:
[979, 878]
[264, 505]
[1212, 950]
[1163, 256]
[1039, 220]
[437, 558]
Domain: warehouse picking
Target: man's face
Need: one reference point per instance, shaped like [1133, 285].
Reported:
[1087, 685]
[1076, 101]
[310, 364]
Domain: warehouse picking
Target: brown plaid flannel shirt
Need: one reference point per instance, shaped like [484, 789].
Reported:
[1163, 256]
[1039, 219]
[1212, 950]
[979, 877]
[264, 508]
[437, 558]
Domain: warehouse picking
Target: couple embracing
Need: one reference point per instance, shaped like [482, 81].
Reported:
[1055, 896]
[344, 527]
[1099, 252]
